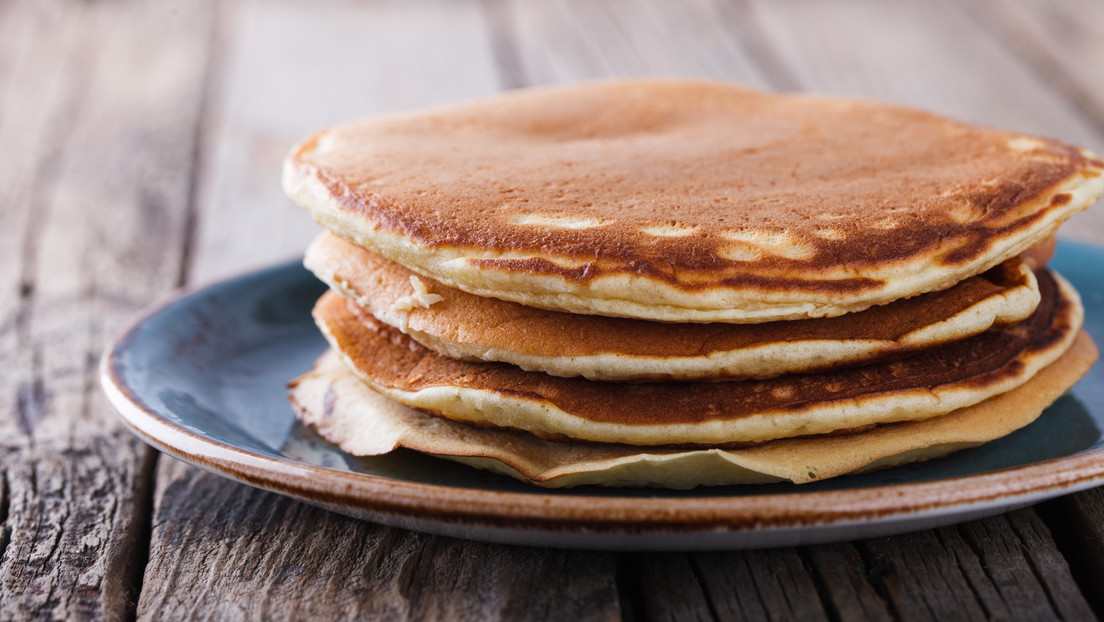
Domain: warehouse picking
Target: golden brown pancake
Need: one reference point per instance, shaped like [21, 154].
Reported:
[346, 412]
[689, 201]
[467, 327]
[929, 383]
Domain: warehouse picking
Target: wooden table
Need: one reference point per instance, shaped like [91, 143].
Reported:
[141, 152]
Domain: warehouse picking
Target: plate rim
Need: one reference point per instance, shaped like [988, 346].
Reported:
[443, 503]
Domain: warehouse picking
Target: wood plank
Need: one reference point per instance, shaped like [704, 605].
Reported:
[289, 71]
[37, 98]
[1077, 522]
[1062, 41]
[964, 581]
[74, 528]
[100, 102]
[737, 585]
[1006, 567]
[560, 41]
[223, 550]
[1027, 573]
[925, 54]
[846, 583]
[1002, 568]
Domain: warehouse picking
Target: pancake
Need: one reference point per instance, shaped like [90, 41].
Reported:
[363, 423]
[467, 327]
[689, 201]
[929, 383]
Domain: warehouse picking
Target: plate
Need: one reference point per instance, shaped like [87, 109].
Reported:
[202, 377]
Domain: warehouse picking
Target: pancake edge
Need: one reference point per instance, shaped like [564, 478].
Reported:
[486, 407]
[756, 362]
[797, 460]
[470, 269]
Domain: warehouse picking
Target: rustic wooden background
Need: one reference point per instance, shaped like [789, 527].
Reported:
[141, 148]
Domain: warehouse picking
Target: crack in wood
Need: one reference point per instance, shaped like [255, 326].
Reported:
[126, 567]
[211, 69]
[876, 568]
[955, 548]
[1032, 531]
[840, 577]
[831, 609]
[792, 597]
[31, 399]
[411, 568]
[627, 582]
[1076, 523]
[5, 506]
[703, 585]
[57, 512]
[62, 516]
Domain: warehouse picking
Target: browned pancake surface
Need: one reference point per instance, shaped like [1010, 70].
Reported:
[838, 185]
[390, 359]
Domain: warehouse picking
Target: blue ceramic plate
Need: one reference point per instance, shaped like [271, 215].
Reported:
[202, 377]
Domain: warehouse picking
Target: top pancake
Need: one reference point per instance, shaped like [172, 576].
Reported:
[688, 201]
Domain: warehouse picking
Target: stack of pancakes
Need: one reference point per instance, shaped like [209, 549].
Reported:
[663, 283]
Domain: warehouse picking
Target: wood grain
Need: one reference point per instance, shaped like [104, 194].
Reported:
[74, 528]
[572, 40]
[149, 136]
[100, 104]
[37, 101]
[1001, 568]
[1077, 522]
[1061, 41]
[740, 585]
[847, 583]
[220, 549]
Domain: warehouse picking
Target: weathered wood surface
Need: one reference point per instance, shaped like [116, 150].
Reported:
[149, 137]
[97, 127]
[1077, 522]
[261, 556]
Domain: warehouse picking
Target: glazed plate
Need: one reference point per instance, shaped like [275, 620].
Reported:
[202, 377]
